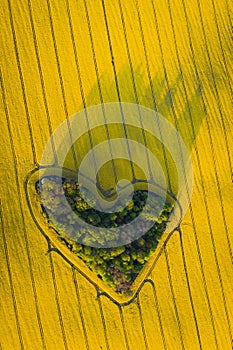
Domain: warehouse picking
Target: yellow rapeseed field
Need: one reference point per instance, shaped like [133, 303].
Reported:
[174, 56]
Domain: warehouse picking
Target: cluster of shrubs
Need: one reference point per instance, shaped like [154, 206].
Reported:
[117, 267]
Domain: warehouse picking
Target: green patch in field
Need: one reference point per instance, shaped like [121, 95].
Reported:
[118, 266]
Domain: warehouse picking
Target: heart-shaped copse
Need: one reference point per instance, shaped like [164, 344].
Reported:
[117, 266]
